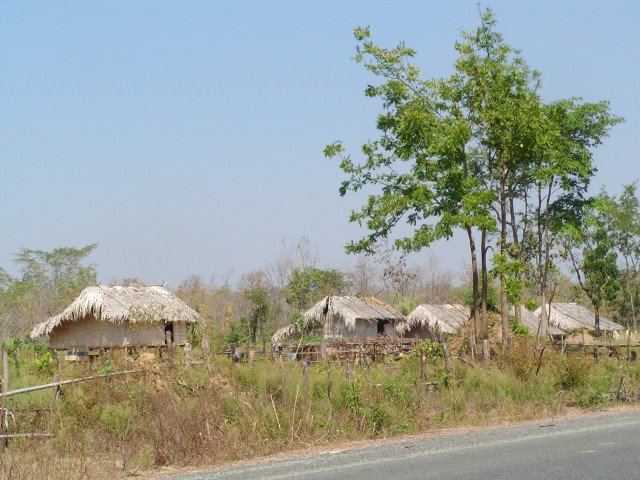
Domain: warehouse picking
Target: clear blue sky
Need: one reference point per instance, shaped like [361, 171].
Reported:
[186, 137]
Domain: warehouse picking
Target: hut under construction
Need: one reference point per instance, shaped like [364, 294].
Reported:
[428, 321]
[336, 317]
[571, 316]
[111, 316]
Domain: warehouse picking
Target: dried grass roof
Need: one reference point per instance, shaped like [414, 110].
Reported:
[571, 316]
[532, 322]
[284, 334]
[342, 309]
[119, 304]
[350, 309]
[447, 318]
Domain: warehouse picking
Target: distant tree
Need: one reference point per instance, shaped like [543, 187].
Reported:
[309, 285]
[591, 252]
[48, 281]
[622, 218]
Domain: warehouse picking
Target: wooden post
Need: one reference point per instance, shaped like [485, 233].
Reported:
[329, 381]
[596, 354]
[485, 351]
[169, 341]
[423, 361]
[347, 365]
[5, 371]
[57, 390]
[473, 347]
[305, 376]
[187, 353]
[447, 359]
[323, 350]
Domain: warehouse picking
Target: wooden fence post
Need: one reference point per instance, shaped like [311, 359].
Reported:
[57, 390]
[169, 341]
[5, 371]
[305, 376]
[447, 358]
[187, 353]
[423, 361]
[347, 365]
[485, 351]
[473, 347]
[596, 354]
[329, 381]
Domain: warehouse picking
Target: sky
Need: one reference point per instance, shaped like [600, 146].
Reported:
[186, 137]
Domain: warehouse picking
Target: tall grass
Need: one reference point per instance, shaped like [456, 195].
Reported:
[179, 417]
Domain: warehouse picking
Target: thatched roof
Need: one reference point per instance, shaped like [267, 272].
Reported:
[571, 316]
[532, 322]
[284, 333]
[446, 318]
[119, 304]
[342, 309]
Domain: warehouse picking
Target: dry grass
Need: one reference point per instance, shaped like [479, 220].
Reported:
[109, 428]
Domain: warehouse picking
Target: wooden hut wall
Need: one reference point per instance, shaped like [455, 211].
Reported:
[420, 331]
[180, 333]
[91, 333]
[363, 329]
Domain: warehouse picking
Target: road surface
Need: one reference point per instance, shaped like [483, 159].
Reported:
[602, 447]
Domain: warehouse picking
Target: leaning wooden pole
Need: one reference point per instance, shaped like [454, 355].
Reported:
[65, 382]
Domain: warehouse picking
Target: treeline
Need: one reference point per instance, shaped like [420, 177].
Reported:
[481, 151]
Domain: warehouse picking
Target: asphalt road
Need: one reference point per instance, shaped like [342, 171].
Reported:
[601, 447]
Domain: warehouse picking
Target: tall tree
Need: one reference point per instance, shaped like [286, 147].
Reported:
[309, 285]
[622, 218]
[48, 281]
[590, 250]
[468, 152]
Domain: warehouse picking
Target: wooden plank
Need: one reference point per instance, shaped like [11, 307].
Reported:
[66, 382]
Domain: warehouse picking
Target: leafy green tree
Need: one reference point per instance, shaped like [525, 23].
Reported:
[622, 218]
[309, 285]
[48, 281]
[591, 251]
[561, 169]
[466, 152]
[260, 310]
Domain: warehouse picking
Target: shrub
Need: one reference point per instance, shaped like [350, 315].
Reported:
[573, 372]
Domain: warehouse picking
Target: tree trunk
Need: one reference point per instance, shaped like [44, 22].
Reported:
[517, 254]
[475, 290]
[16, 361]
[485, 286]
[504, 306]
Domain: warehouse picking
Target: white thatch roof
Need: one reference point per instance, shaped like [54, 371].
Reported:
[350, 309]
[446, 318]
[284, 333]
[532, 322]
[571, 316]
[119, 304]
[342, 309]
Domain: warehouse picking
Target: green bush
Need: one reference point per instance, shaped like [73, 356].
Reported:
[378, 416]
[573, 372]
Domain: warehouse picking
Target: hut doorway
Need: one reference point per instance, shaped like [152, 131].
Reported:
[168, 334]
[381, 325]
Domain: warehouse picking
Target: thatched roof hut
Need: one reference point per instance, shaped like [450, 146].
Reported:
[571, 316]
[426, 321]
[532, 322]
[346, 317]
[106, 316]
